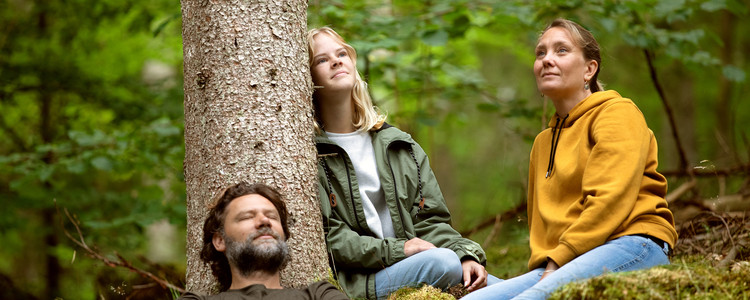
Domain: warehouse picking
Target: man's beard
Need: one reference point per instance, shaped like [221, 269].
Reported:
[268, 256]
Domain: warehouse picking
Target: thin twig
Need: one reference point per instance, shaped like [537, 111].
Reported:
[122, 262]
[729, 230]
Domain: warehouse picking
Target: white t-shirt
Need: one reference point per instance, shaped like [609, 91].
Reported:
[358, 145]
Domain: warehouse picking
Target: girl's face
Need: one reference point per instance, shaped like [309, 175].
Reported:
[332, 67]
[560, 67]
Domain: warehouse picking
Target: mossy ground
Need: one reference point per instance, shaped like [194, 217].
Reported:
[425, 292]
[686, 278]
[691, 277]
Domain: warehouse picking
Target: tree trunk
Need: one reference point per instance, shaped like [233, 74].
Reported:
[248, 117]
[724, 114]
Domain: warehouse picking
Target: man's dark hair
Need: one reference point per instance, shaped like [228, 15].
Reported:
[215, 224]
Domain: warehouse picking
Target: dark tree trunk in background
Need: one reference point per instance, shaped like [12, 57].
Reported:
[724, 111]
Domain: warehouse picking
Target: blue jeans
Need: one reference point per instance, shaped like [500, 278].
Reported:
[439, 267]
[626, 253]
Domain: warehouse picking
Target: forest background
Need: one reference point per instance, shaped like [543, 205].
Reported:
[91, 118]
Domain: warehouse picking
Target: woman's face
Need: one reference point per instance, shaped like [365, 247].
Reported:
[332, 67]
[560, 67]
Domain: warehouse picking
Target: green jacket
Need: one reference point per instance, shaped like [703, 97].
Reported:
[355, 253]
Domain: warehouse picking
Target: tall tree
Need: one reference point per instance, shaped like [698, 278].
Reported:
[248, 117]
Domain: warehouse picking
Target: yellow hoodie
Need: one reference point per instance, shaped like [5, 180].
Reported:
[602, 182]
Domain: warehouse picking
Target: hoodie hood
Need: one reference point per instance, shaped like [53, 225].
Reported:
[557, 124]
[584, 106]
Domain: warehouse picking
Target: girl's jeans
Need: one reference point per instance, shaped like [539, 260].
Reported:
[439, 267]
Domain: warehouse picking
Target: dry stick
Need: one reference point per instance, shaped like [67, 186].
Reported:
[121, 263]
[677, 193]
[657, 85]
[491, 221]
[729, 230]
[495, 230]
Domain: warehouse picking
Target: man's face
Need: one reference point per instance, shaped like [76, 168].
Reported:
[253, 238]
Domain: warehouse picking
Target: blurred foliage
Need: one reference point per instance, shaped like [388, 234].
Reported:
[90, 120]
[91, 112]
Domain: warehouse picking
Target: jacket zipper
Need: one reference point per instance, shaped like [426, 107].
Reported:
[351, 191]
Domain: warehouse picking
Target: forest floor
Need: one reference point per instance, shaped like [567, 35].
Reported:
[710, 261]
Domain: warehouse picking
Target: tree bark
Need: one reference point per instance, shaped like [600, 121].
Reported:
[248, 117]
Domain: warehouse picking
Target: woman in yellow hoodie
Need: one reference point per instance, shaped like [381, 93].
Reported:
[595, 200]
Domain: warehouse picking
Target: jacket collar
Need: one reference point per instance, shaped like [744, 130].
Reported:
[387, 134]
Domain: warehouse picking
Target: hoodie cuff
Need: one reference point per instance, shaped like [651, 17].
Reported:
[562, 255]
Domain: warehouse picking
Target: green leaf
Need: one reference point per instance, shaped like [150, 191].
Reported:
[488, 106]
[435, 38]
[102, 163]
[76, 167]
[667, 7]
[164, 128]
[714, 5]
[46, 172]
[733, 73]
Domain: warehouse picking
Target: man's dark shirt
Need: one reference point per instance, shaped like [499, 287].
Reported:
[321, 290]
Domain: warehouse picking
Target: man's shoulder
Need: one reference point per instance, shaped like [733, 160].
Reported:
[255, 291]
[324, 290]
[318, 290]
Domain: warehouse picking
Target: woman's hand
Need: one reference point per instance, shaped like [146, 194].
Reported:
[551, 267]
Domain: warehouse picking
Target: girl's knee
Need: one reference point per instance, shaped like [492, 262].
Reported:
[444, 261]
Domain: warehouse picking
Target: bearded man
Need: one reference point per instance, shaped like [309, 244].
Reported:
[244, 242]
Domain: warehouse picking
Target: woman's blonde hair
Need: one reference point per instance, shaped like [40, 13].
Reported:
[366, 116]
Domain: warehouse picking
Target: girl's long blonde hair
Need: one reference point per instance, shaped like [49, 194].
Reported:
[366, 116]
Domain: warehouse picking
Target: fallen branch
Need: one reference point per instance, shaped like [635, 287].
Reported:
[121, 262]
[507, 215]
[495, 230]
[719, 235]
[733, 171]
[677, 193]
[729, 203]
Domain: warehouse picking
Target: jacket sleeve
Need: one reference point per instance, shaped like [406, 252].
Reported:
[432, 222]
[611, 179]
[349, 249]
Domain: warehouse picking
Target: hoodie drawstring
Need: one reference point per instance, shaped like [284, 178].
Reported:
[555, 141]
